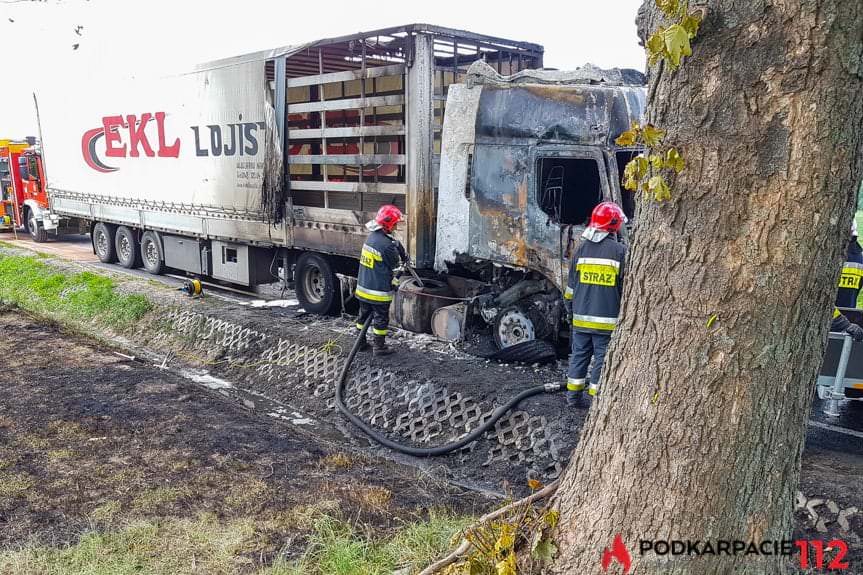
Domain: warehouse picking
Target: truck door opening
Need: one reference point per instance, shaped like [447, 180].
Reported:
[568, 189]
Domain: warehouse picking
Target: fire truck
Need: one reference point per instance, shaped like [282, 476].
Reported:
[23, 200]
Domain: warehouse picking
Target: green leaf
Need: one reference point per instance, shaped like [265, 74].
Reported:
[674, 161]
[668, 7]
[676, 44]
[690, 23]
[545, 550]
[656, 46]
[652, 135]
[659, 188]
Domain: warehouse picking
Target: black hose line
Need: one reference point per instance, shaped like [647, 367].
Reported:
[427, 451]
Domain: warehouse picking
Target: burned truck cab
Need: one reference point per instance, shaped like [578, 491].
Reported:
[525, 160]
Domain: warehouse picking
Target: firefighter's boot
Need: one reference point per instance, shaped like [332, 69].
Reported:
[364, 344]
[379, 345]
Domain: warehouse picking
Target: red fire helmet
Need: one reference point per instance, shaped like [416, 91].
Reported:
[388, 216]
[607, 217]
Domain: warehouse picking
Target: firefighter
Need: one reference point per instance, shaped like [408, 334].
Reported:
[380, 255]
[849, 288]
[593, 297]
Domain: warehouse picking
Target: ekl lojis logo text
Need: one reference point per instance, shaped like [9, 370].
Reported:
[814, 553]
[127, 137]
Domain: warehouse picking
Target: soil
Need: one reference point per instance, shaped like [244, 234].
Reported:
[82, 428]
[88, 435]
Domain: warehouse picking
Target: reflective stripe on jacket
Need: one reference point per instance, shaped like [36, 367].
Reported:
[849, 280]
[378, 259]
[596, 285]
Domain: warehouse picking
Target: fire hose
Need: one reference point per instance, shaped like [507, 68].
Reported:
[427, 451]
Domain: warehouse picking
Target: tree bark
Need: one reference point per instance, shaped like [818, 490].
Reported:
[699, 428]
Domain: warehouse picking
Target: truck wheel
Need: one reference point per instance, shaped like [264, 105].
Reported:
[35, 228]
[103, 242]
[316, 284]
[513, 326]
[151, 254]
[127, 247]
[536, 351]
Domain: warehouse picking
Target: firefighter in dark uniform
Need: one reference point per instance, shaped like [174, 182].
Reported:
[593, 296]
[849, 288]
[380, 256]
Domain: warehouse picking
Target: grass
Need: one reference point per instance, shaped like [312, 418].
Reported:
[208, 545]
[36, 287]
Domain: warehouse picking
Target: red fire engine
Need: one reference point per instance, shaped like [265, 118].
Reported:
[23, 201]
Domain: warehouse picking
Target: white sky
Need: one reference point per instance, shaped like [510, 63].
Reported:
[146, 37]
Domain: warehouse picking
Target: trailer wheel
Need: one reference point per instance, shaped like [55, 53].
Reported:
[127, 247]
[316, 284]
[35, 228]
[151, 254]
[103, 242]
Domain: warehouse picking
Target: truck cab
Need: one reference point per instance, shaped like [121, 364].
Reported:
[525, 160]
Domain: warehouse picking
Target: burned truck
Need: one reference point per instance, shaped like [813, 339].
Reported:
[525, 160]
[265, 167]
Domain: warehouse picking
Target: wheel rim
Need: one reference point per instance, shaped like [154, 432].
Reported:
[34, 226]
[101, 243]
[124, 248]
[313, 284]
[515, 327]
[151, 254]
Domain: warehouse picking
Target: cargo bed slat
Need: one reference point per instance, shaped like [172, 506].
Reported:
[380, 71]
[346, 104]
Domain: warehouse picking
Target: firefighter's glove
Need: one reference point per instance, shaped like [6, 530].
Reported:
[855, 331]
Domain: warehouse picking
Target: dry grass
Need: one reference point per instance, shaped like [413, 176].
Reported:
[337, 461]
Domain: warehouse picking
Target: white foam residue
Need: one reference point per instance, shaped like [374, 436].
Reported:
[274, 303]
[208, 380]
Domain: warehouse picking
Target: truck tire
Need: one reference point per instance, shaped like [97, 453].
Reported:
[35, 228]
[151, 254]
[535, 351]
[103, 242]
[127, 247]
[316, 284]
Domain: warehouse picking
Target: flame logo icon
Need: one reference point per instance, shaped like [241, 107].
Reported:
[618, 553]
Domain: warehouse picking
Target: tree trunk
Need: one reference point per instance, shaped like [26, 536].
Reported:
[699, 428]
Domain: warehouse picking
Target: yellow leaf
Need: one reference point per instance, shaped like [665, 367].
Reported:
[690, 23]
[655, 46]
[631, 176]
[655, 398]
[652, 135]
[668, 7]
[676, 44]
[711, 320]
[659, 188]
[656, 161]
[674, 161]
[506, 539]
[534, 484]
[641, 162]
[634, 127]
[507, 566]
[551, 518]
[627, 138]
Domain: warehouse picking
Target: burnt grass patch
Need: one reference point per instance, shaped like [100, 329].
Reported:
[90, 440]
